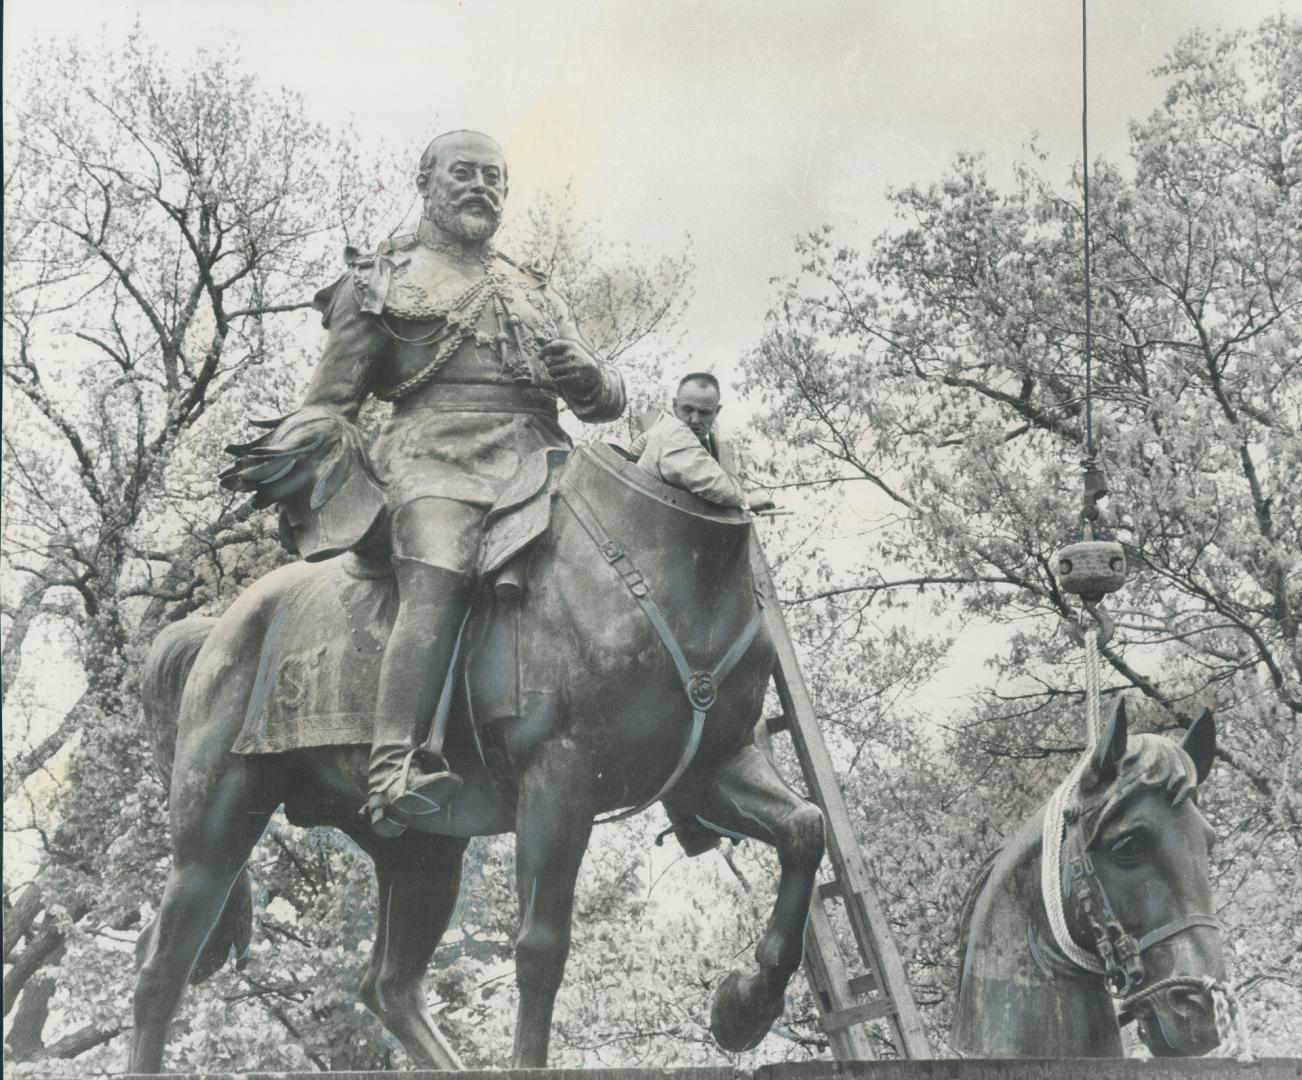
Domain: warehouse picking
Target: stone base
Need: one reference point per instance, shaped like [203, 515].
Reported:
[941, 1069]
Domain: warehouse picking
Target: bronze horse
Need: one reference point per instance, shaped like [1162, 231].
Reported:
[612, 708]
[1136, 896]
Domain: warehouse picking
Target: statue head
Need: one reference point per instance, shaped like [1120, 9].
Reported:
[696, 402]
[462, 178]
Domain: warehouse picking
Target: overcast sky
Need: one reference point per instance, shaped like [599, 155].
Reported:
[742, 124]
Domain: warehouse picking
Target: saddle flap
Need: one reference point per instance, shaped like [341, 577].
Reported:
[522, 512]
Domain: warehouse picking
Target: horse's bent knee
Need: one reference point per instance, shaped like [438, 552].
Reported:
[800, 836]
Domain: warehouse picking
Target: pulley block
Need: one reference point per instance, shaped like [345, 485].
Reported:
[1091, 569]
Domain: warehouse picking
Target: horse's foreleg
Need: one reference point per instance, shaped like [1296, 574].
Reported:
[212, 839]
[746, 796]
[553, 823]
[419, 878]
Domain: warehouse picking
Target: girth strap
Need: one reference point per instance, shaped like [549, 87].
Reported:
[701, 687]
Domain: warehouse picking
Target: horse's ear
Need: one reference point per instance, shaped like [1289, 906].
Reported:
[1112, 745]
[1199, 743]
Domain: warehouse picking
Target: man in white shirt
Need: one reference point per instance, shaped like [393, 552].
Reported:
[682, 449]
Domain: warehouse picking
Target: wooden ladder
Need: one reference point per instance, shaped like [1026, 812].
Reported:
[851, 992]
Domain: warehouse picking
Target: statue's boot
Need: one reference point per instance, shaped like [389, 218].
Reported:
[409, 779]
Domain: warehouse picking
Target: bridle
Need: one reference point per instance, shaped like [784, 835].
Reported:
[1120, 955]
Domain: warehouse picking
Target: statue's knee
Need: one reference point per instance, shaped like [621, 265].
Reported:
[429, 598]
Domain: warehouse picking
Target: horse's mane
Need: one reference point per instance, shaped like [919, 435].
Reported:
[973, 891]
[969, 906]
[1151, 761]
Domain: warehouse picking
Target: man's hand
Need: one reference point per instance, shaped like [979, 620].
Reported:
[760, 501]
[571, 364]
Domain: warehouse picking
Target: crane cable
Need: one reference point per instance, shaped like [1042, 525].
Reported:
[1091, 569]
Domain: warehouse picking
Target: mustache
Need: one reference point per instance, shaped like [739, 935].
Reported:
[488, 202]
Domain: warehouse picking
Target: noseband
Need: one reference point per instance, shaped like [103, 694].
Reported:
[1121, 953]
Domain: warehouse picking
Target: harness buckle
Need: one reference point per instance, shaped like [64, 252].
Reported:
[701, 690]
[611, 551]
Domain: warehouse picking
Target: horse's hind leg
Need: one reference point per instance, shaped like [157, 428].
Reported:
[213, 833]
[746, 796]
[419, 878]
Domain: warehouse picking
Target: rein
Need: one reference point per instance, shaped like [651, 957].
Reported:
[700, 686]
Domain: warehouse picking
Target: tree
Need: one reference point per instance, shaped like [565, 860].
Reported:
[943, 373]
[163, 234]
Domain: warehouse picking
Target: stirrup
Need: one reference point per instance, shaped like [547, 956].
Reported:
[376, 812]
[410, 801]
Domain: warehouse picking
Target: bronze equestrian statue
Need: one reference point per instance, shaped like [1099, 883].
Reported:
[1136, 898]
[544, 639]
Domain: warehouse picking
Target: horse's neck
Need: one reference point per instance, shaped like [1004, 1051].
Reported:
[1018, 996]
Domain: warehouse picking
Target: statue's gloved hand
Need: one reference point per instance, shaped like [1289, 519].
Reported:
[314, 447]
[571, 364]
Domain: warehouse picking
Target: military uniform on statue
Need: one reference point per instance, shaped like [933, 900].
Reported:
[474, 352]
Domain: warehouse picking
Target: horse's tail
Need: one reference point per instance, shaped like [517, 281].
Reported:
[167, 667]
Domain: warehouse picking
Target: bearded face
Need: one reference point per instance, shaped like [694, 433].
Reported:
[466, 186]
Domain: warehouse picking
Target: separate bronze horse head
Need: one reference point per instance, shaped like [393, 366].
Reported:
[1136, 906]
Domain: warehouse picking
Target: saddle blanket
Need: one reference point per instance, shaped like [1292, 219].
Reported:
[320, 662]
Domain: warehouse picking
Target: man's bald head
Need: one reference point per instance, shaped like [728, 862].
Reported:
[463, 179]
[696, 403]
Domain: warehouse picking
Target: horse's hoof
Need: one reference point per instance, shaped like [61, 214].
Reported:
[743, 1011]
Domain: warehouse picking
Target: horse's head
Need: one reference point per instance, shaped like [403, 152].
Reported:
[1137, 849]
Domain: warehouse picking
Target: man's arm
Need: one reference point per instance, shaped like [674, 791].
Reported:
[592, 388]
[683, 462]
[344, 374]
[308, 456]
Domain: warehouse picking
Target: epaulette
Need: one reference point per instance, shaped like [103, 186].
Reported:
[372, 273]
[357, 259]
[403, 242]
[536, 269]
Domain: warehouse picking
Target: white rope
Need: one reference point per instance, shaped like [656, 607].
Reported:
[1231, 1025]
[1093, 719]
[1051, 881]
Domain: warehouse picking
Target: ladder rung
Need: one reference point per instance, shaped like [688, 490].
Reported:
[863, 984]
[857, 1014]
[829, 890]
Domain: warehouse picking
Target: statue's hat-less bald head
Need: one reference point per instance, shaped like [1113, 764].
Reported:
[445, 143]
